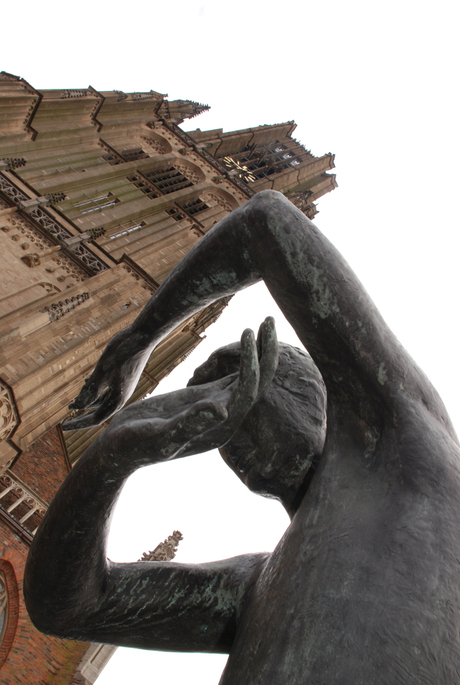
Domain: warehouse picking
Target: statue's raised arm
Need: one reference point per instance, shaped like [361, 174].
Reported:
[269, 239]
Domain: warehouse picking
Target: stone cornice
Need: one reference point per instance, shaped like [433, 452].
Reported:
[151, 282]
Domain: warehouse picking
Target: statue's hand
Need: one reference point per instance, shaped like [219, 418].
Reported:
[258, 363]
[112, 382]
[197, 418]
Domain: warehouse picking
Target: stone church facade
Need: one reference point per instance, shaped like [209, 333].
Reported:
[101, 195]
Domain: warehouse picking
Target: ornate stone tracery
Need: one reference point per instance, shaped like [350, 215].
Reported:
[8, 413]
[50, 224]
[20, 502]
[11, 191]
[63, 234]
[88, 258]
[157, 144]
[219, 199]
[194, 175]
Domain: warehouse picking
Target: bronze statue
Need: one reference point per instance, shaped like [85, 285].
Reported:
[364, 587]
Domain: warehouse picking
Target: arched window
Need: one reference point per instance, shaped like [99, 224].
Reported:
[3, 607]
[9, 609]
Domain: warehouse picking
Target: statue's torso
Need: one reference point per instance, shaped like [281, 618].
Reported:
[365, 585]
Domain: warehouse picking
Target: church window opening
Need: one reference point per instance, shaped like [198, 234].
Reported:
[175, 213]
[115, 158]
[3, 607]
[195, 206]
[143, 185]
[127, 228]
[168, 180]
[132, 155]
[94, 204]
[20, 503]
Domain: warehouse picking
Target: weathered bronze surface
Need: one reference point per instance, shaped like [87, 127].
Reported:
[364, 587]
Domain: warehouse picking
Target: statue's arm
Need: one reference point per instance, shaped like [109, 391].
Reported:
[70, 588]
[72, 591]
[270, 239]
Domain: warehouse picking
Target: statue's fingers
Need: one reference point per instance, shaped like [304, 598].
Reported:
[111, 402]
[268, 351]
[78, 423]
[245, 392]
[88, 394]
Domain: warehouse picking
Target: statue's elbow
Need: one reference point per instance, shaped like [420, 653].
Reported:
[46, 612]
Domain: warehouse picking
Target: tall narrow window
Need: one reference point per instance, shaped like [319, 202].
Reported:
[132, 155]
[175, 213]
[3, 607]
[89, 200]
[94, 204]
[143, 185]
[113, 157]
[9, 609]
[195, 206]
[129, 227]
[168, 180]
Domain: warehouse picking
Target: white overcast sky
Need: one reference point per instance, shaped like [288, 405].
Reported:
[375, 83]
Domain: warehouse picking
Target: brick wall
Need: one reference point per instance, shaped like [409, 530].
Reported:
[33, 657]
[43, 466]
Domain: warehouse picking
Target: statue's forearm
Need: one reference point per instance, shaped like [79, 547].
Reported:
[216, 267]
[66, 570]
[68, 551]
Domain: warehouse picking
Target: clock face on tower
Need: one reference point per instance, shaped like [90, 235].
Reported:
[243, 171]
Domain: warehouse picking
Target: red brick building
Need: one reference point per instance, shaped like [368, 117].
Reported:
[27, 656]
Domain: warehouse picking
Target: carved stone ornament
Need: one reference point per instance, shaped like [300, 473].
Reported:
[192, 175]
[13, 163]
[55, 198]
[301, 200]
[31, 260]
[158, 144]
[166, 550]
[95, 233]
[73, 94]
[220, 201]
[8, 413]
[58, 309]
[63, 234]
